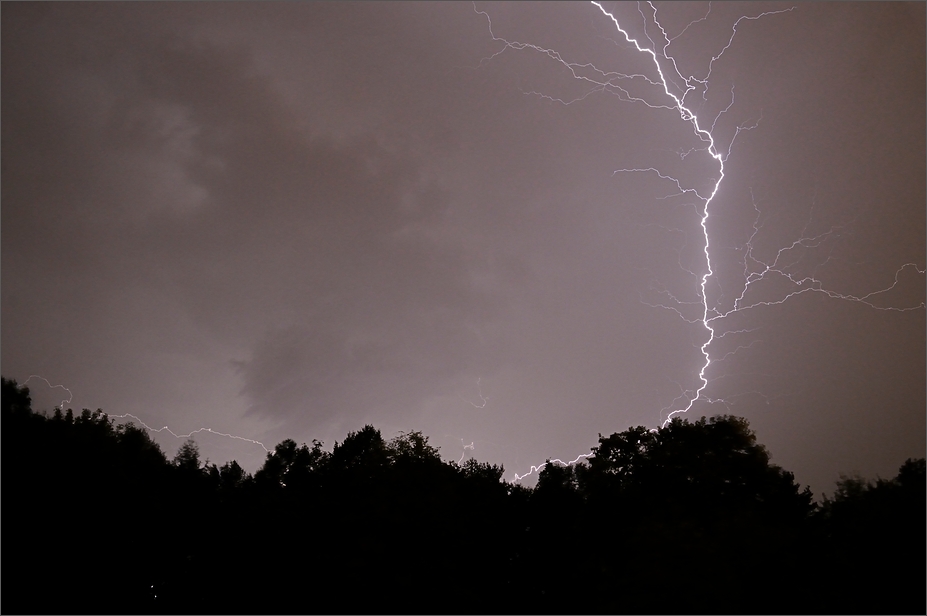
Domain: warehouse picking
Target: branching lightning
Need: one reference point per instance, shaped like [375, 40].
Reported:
[669, 90]
[675, 88]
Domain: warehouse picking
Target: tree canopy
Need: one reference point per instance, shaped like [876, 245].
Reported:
[690, 518]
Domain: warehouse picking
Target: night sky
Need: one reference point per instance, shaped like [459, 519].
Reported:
[289, 220]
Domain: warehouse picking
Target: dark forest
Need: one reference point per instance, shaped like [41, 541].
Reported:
[691, 518]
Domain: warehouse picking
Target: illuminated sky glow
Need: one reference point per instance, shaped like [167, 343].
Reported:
[288, 221]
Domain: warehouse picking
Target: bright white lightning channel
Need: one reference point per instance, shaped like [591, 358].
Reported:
[755, 269]
[706, 136]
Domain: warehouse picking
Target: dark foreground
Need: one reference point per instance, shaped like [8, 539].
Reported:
[690, 519]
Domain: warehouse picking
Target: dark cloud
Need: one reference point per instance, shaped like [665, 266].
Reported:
[288, 220]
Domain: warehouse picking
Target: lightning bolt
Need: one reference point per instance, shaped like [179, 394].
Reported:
[675, 89]
[706, 136]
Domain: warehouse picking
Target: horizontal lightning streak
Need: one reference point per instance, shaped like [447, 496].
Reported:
[188, 435]
[70, 397]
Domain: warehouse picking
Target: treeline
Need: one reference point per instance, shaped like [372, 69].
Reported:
[692, 518]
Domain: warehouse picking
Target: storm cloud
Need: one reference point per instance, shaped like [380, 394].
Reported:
[290, 220]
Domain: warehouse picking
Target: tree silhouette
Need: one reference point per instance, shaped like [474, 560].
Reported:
[696, 497]
[188, 457]
[690, 518]
[875, 531]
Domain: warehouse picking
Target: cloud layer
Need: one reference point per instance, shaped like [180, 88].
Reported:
[291, 220]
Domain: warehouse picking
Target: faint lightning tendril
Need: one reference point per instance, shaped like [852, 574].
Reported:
[190, 434]
[466, 448]
[50, 386]
[483, 399]
[143, 424]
